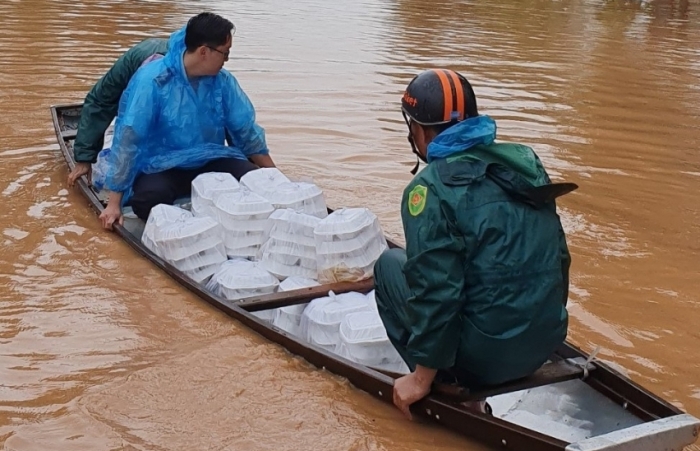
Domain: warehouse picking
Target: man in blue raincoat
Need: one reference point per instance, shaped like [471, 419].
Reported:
[479, 296]
[173, 120]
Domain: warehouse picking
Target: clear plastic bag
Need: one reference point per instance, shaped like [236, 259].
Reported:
[320, 321]
[244, 216]
[205, 187]
[284, 259]
[181, 239]
[364, 339]
[239, 279]
[348, 243]
[159, 216]
[290, 225]
[263, 180]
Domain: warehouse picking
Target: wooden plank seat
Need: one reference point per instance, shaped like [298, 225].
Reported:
[69, 134]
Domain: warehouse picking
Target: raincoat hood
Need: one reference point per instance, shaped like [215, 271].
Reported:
[176, 49]
[475, 137]
[462, 136]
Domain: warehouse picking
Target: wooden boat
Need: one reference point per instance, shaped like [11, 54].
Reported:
[611, 412]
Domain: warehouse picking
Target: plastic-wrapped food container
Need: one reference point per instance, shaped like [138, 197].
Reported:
[239, 279]
[395, 367]
[263, 180]
[213, 256]
[299, 196]
[346, 224]
[290, 225]
[348, 243]
[284, 259]
[288, 318]
[243, 210]
[365, 339]
[320, 321]
[205, 187]
[202, 274]
[190, 236]
[244, 216]
[159, 216]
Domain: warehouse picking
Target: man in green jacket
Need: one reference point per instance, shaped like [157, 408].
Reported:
[479, 296]
[102, 102]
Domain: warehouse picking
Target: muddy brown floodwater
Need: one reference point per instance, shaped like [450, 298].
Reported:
[100, 351]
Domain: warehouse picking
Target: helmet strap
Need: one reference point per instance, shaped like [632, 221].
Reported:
[415, 168]
[413, 146]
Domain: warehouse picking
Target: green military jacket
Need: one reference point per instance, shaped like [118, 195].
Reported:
[102, 102]
[487, 264]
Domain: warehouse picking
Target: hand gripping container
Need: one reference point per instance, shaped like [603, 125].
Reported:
[288, 318]
[160, 215]
[238, 279]
[363, 339]
[291, 251]
[348, 243]
[193, 245]
[320, 321]
[205, 187]
[244, 216]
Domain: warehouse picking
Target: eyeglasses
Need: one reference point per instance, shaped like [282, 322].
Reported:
[225, 54]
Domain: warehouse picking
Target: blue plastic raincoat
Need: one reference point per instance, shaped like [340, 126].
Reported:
[164, 123]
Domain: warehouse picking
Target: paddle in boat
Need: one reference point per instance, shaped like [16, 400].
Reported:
[573, 402]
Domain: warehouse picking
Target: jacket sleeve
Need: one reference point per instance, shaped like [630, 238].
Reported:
[239, 113]
[137, 114]
[102, 102]
[435, 275]
[99, 109]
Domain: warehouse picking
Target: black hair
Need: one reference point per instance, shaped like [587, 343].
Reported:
[207, 29]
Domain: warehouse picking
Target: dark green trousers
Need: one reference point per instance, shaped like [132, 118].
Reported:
[391, 293]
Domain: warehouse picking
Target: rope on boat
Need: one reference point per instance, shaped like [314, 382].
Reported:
[589, 360]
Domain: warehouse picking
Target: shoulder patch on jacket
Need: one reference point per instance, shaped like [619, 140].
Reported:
[416, 199]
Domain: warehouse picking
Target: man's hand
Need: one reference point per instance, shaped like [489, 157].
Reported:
[110, 215]
[412, 388]
[264, 161]
[113, 212]
[78, 171]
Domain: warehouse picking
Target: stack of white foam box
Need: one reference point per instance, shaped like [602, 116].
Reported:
[206, 187]
[274, 186]
[363, 339]
[320, 322]
[288, 318]
[244, 216]
[290, 249]
[194, 245]
[348, 243]
[239, 279]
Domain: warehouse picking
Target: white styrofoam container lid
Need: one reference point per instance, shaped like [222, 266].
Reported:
[244, 275]
[345, 220]
[244, 203]
[183, 229]
[331, 309]
[262, 180]
[206, 185]
[363, 327]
